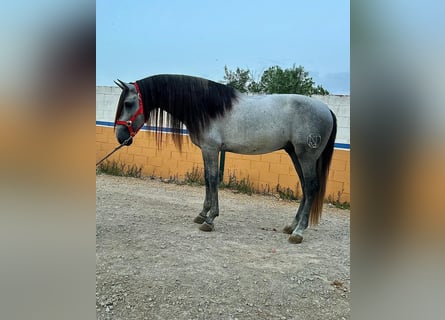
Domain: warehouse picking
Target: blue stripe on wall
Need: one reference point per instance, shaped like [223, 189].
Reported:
[104, 123]
[346, 146]
[342, 146]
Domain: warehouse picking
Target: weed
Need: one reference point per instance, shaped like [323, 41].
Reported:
[173, 179]
[288, 193]
[265, 190]
[119, 169]
[337, 203]
[245, 186]
[242, 186]
[195, 177]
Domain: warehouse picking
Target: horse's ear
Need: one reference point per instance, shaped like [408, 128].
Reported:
[121, 84]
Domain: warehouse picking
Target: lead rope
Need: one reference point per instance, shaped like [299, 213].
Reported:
[115, 149]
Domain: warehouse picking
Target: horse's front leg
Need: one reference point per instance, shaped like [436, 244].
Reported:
[211, 205]
[201, 218]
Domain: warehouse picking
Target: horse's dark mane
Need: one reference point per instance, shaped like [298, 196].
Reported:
[187, 100]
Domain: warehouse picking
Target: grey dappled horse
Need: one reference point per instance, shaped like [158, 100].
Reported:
[219, 117]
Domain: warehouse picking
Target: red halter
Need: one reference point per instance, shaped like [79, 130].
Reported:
[129, 123]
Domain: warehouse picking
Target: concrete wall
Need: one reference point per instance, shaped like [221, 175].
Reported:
[264, 171]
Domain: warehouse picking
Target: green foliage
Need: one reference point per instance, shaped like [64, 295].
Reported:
[242, 186]
[239, 79]
[288, 193]
[292, 80]
[195, 177]
[119, 169]
[274, 80]
[337, 203]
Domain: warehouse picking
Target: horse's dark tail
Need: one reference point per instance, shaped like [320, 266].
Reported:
[323, 164]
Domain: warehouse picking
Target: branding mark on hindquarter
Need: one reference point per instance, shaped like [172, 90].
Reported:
[313, 140]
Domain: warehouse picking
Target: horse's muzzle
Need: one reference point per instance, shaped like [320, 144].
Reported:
[127, 142]
[124, 139]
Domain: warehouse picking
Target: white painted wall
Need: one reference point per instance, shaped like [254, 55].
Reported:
[106, 103]
[340, 106]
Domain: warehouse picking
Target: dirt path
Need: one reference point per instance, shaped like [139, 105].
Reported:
[152, 262]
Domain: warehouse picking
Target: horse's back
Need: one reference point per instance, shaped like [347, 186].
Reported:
[291, 113]
[266, 123]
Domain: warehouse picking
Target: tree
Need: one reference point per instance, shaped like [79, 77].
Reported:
[238, 79]
[274, 80]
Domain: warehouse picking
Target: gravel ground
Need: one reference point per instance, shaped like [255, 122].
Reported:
[152, 262]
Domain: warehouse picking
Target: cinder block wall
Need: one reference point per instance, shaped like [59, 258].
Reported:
[264, 171]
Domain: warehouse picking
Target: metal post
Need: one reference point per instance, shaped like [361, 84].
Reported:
[222, 159]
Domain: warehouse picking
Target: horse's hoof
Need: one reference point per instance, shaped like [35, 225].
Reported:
[295, 239]
[288, 230]
[206, 227]
[199, 219]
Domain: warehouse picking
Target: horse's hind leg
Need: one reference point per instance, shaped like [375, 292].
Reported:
[291, 151]
[291, 227]
[310, 186]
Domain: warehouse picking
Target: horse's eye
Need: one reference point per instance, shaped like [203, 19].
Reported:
[127, 104]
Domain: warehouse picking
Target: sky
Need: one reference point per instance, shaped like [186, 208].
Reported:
[136, 39]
